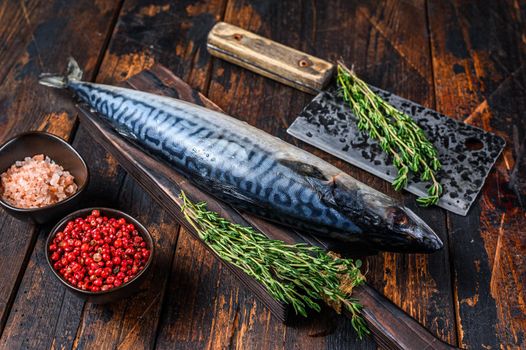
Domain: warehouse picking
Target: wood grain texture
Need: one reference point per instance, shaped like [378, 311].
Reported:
[174, 195]
[472, 293]
[163, 183]
[269, 58]
[136, 44]
[479, 60]
[192, 64]
[206, 310]
[391, 325]
[171, 33]
[386, 49]
[132, 323]
[38, 36]
[44, 314]
[392, 328]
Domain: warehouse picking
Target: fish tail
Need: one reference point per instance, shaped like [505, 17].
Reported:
[73, 73]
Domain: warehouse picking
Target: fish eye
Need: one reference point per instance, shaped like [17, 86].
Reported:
[398, 217]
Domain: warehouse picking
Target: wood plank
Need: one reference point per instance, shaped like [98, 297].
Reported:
[164, 183]
[38, 304]
[123, 74]
[206, 309]
[390, 324]
[173, 34]
[147, 33]
[248, 315]
[143, 59]
[384, 41]
[204, 302]
[479, 61]
[44, 314]
[31, 35]
[154, 176]
[132, 323]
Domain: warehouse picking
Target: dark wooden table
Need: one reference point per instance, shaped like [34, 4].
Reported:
[463, 58]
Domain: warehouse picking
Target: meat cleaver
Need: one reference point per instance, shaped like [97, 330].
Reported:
[467, 153]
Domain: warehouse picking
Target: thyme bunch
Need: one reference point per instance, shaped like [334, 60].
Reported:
[398, 134]
[299, 274]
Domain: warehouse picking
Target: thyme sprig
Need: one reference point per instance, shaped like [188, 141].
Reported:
[299, 274]
[398, 134]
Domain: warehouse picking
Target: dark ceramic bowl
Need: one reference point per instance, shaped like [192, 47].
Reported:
[36, 142]
[117, 293]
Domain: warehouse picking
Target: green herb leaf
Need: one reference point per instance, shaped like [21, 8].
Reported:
[300, 275]
[399, 136]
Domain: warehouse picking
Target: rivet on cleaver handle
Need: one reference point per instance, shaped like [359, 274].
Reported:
[269, 58]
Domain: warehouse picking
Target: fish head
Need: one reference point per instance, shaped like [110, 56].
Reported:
[385, 223]
[416, 234]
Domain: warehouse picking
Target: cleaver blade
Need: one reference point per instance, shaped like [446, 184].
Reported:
[467, 153]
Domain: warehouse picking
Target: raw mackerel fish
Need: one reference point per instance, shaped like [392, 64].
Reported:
[253, 170]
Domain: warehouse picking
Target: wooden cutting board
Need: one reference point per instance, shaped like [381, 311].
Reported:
[391, 327]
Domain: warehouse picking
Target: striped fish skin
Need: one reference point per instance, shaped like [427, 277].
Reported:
[255, 171]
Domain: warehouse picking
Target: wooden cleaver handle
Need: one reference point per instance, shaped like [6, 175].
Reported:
[269, 58]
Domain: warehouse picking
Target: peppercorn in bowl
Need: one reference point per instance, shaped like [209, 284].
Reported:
[100, 254]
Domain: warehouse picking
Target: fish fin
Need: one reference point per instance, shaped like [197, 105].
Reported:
[304, 169]
[324, 189]
[73, 73]
[313, 177]
[331, 190]
[223, 191]
[125, 133]
[234, 194]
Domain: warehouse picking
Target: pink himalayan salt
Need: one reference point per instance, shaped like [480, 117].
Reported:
[36, 182]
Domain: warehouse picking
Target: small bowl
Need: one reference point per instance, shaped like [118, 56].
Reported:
[117, 293]
[36, 142]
